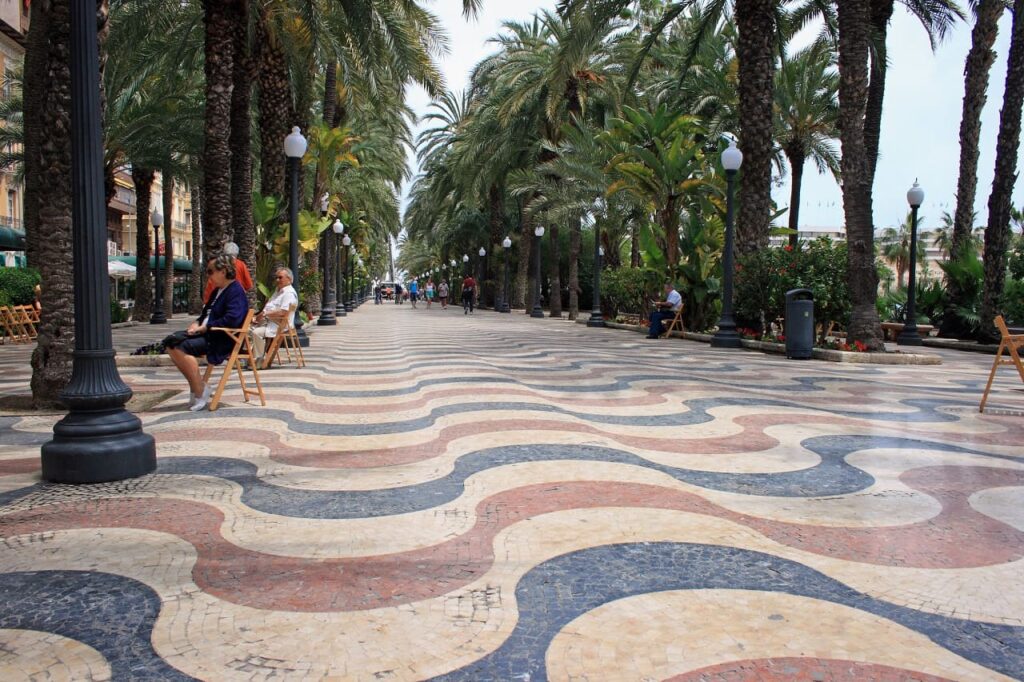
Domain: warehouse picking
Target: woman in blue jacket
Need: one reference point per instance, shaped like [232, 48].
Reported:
[227, 307]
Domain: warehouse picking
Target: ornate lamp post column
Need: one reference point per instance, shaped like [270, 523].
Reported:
[537, 311]
[331, 254]
[481, 267]
[726, 336]
[294, 149]
[327, 295]
[347, 242]
[98, 440]
[596, 318]
[504, 307]
[339, 280]
[158, 316]
[909, 335]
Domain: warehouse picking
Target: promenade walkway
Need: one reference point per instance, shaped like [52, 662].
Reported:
[492, 497]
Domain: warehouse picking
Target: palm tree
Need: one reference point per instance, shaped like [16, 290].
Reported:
[854, 37]
[997, 232]
[807, 115]
[47, 163]
[895, 243]
[221, 19]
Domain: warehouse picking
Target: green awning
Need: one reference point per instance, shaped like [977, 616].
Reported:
[180, 264]
[12, 239]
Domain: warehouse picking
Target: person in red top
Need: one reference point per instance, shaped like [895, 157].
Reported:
[468, 292]
[241, 271]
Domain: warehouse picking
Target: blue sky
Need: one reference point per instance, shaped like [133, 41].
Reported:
[920, 124]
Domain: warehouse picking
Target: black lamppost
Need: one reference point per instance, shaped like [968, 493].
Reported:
[158, 316]
[331, 252]
[347, 242]
[327, 296]
[482, 272]
[465, 265]
[537, 311]
[909, 335]
[98, 440]
[596, 318]
[504, 307]
[726, 336]
[294, 148]
[339, 280]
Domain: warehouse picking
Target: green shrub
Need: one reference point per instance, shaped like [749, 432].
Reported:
[19, 284]
[117, 313]
[629, 289]
[1013, 300]
[763, 278]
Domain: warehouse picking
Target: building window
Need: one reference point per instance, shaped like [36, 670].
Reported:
[12, 203]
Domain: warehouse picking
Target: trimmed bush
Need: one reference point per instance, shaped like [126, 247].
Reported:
[18, 284]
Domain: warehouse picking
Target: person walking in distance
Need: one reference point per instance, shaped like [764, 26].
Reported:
[430, 291]
[442, 293]
[414, 292]
[468, 292]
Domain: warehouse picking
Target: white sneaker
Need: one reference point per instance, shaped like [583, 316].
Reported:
[200, 404]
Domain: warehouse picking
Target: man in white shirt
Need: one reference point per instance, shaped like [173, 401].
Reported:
[275, 312]
[666, 310]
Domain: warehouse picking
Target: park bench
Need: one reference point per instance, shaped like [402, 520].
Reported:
[242, 349]
[892, 330]
[1011, 343]
[288, 338]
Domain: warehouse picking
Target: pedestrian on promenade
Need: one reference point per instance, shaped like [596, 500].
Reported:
[414, 292]
[664, 310]
[398, 293]
[430, 291]
[227, 307]
[242, 275]
[468, 292]
[442, 293]
[275, 311]
[378, 295]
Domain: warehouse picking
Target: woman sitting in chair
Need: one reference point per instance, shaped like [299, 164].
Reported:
[227, 307]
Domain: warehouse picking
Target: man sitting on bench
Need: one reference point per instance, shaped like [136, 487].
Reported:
[664, 310]
[275, 311]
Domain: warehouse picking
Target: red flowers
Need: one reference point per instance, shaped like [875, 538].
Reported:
[787, 247]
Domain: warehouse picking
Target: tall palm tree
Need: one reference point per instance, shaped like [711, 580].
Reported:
[854, 37]
[807, 116]
[47, 163]
[997, 232]
[221, 19]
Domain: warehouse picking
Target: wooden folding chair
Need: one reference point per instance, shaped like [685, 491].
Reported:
[242, 349]
[1011, 343]
[14, 328]
[289, 339]
[677, 323]
[28, 316]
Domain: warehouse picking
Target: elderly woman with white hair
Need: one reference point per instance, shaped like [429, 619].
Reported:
[279, 310]
[242, 275]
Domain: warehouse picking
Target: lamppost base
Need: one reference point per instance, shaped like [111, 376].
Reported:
[726, 338]
[596, 319]
[327, 318]
[909, 337]
[349, 307]
[503, 307]
[300, 331]
[96, 447]
[537, 312]
[158, 318]
[340, 311]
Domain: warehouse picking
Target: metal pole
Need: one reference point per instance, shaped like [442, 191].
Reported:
[339, 281]
[505, 307]
[537, 311]
[98, 440]
[349, 303]
[327, 303]
[596, 318]
[158, 316]
[293, 244]
[909, 336]
[726, 336]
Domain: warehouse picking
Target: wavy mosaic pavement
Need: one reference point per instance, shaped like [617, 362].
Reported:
[445, 497]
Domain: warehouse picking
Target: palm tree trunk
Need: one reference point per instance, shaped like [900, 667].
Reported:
[881, 14]
[554, 274]
[496, 216]
[143, 179]
[854, 31]
[634, 244]
[195, 291]
[274, 108]
[524, 274]
[668, 217]
[330, 94]
[240, 139]
[796, 165]
[976, 77]
[168, 273]
[997, 232]
[575, 239]
[221, 22]
[47, 124]
[755, 20]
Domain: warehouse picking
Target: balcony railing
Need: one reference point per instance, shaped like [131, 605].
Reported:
[10, 221]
